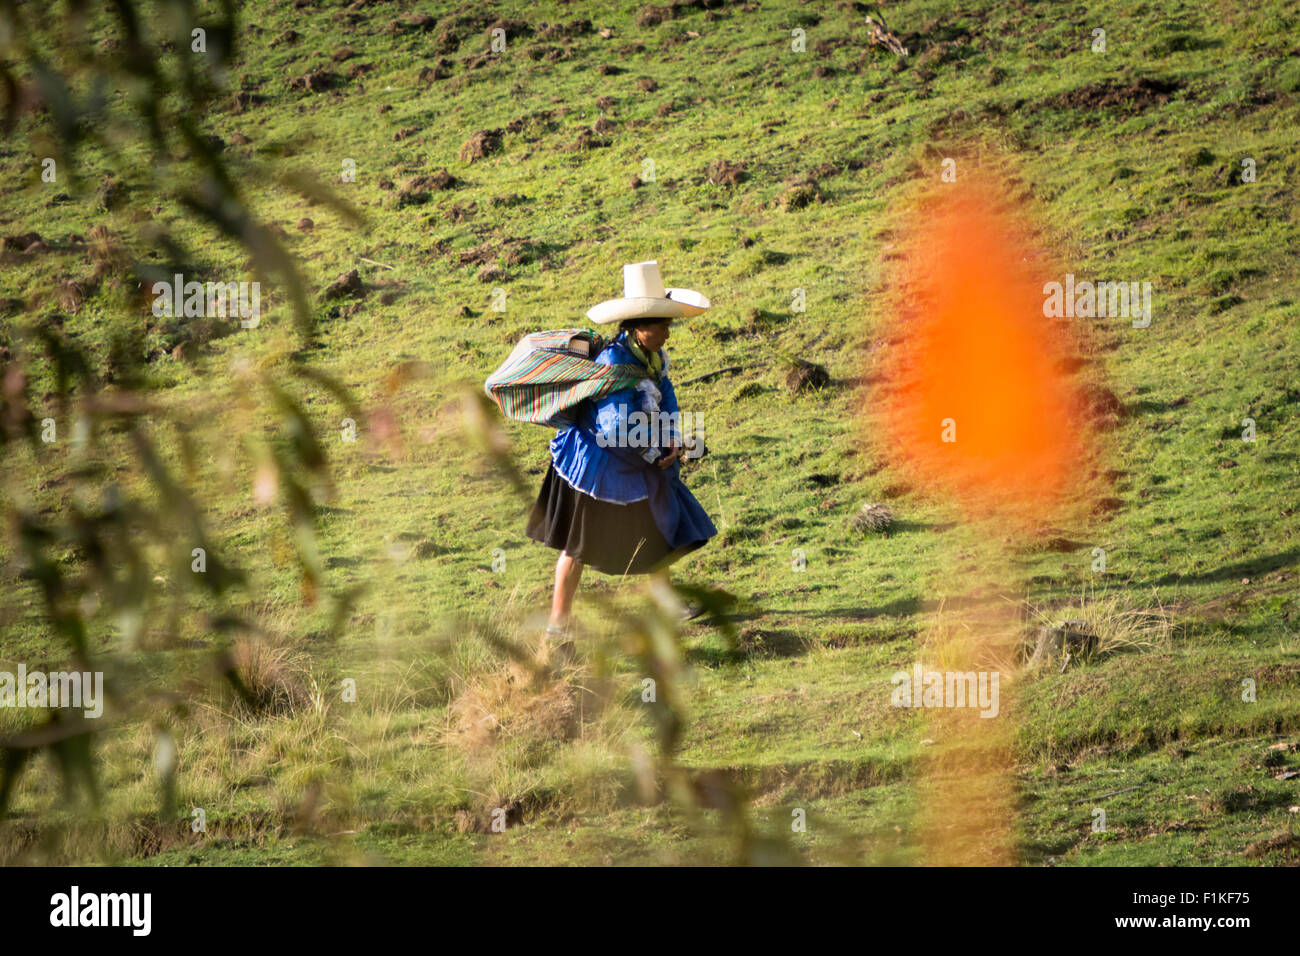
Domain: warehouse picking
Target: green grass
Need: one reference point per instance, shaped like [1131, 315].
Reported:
[1122, 191]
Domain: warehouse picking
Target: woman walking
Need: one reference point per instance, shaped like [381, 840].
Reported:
[613, 497]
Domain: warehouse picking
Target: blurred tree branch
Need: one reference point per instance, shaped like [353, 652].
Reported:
[92, 557]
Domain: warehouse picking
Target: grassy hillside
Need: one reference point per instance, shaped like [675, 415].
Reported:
[693, 134]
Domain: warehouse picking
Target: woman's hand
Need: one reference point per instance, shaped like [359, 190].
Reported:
[667, 460]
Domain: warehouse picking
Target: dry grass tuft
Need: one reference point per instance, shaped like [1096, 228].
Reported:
[1117, 622]
[873, 519]
[276, 678]
[511, 704]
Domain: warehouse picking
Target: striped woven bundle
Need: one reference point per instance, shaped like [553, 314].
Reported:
[545, 376]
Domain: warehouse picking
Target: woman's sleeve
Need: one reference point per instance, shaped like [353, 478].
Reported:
[668, 404]
[611, 414]
[669, 401]
[612, 428]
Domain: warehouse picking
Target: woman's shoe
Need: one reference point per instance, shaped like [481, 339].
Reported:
[562, 649]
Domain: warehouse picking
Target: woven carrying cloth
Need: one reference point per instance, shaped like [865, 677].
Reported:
[547, 374]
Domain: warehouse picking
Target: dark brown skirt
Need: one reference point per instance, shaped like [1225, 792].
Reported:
[612, 538]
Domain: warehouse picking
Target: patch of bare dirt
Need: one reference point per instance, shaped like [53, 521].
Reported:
[316, 81]
[722, 172]
[483, 143]
[1137, 96]
[347, 285]
[806, 375]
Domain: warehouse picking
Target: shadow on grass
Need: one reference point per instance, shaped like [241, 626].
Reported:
[1146, 406]
[908, 527]
[1251, 568]
[754, 643]
[902, 607]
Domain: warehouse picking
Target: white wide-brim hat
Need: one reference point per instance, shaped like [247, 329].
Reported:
[644, 297]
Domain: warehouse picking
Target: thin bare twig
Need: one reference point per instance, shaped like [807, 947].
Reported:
[1112, 793]
[714, 374]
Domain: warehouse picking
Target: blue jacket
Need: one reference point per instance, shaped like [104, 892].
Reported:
[604, 454]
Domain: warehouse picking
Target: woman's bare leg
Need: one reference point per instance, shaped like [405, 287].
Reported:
[568, 572]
